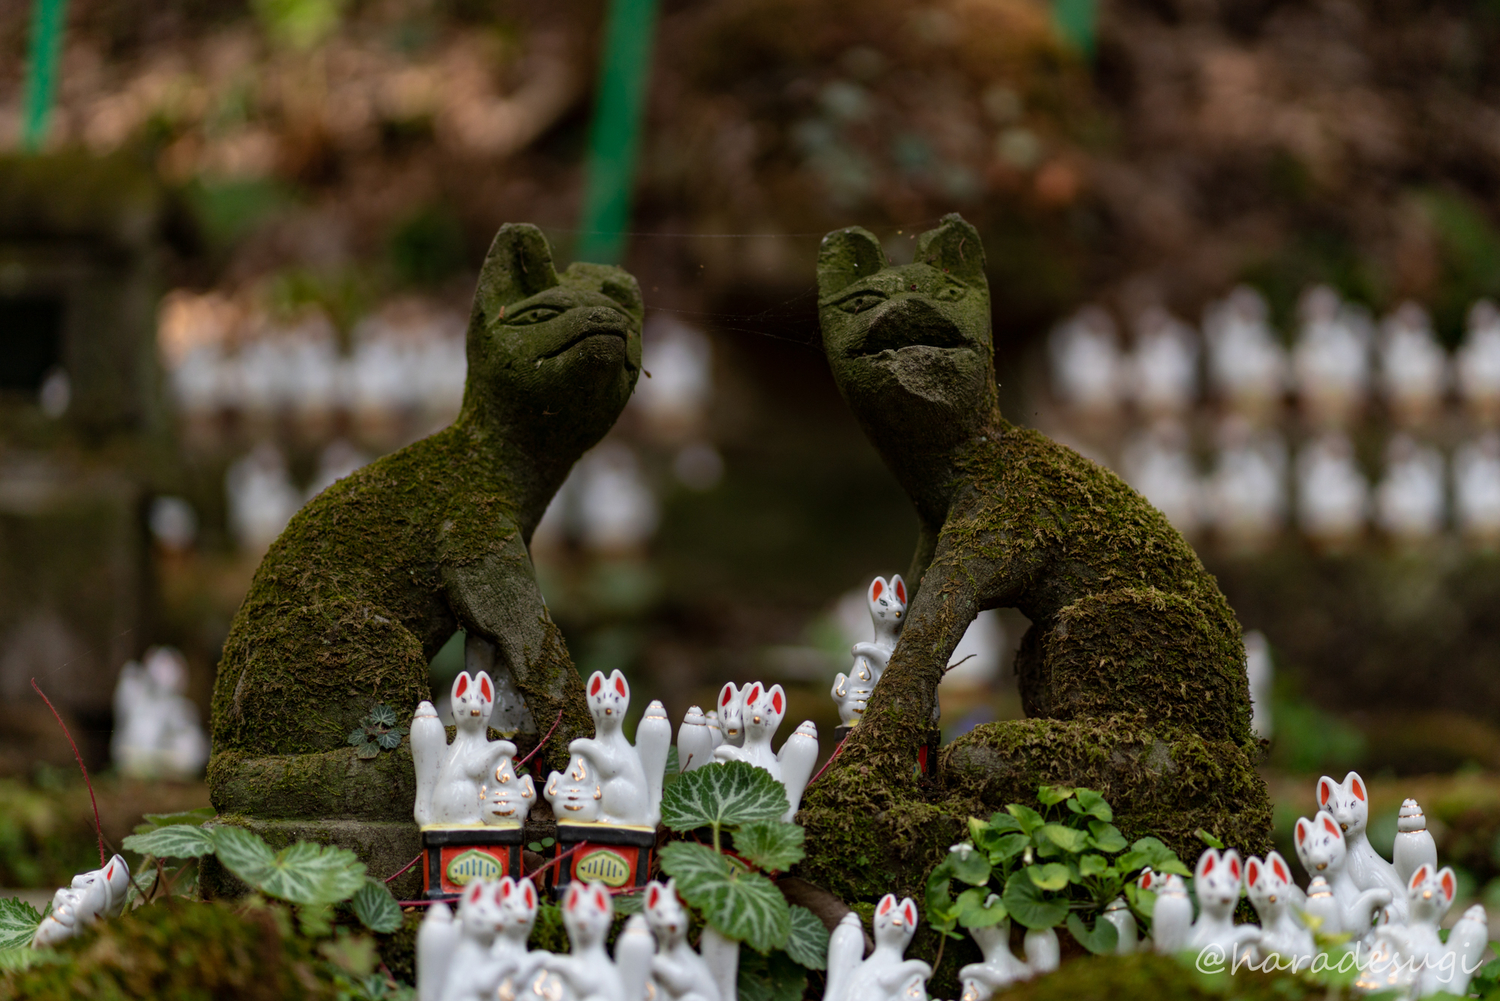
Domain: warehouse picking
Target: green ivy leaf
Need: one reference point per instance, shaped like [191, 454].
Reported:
[1028, 818]
[376, 909]
[18, 922]
[633, 902]
[1028, 904]
[744, 906]
[303, 873]
[1100, 940]
[390, 741]
[19, 958]
[368, 751]
[1149, 851]
[722, 794]
[1209, 839]
[989, 912]
[770, 978]
[1052, 876]
[1106, 837]
[175, 841]
[1093, 804]
[1003, 822]
[383, 715]
[770, 844]
[1092, 865]
[807, 942]
[969, 865]
[1069, 839]
[673, 769]
[1052, 795]
[357, 738]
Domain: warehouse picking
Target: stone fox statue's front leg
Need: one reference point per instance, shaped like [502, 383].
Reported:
[497, 597]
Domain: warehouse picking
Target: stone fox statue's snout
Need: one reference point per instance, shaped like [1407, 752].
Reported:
[376, 573]
[1133, 668]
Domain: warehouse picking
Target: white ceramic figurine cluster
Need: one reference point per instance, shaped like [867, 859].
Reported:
[471, 781]
[482, 953]
[741, 729]
[887, 602]
[609, 781]
[92, 895]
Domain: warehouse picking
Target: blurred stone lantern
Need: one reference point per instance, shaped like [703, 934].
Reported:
[79, 240]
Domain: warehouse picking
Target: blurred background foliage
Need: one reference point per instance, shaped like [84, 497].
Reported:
[258, 225]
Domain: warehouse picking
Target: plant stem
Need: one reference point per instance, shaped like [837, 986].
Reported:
[98, 829]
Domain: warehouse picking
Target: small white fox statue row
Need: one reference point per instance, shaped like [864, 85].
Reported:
[92, 895]
[1421, 962]
[608, 780]
[473, 779]
[1323, 852]
[887, 604]
[474, 957]
[761, 712]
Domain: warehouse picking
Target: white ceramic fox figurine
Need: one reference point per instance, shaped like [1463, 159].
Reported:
[575, 794]
[680, 973]
[1127, 933]
[1431, 964]
[436, 939]
[1279, 902]
[1000, 968]
[764, 709]
[454, 961]
[1320, 846]
[1348, 803]
[505, 800]
[1322, 913]
[90, 896]
[627, 789]
[452, 796]
[587, 971]
[634, 951]
[1216, 882]
[885, 972]
[517, 963]
[729, 709]
[653, 742]
[1413, 846]
[1172, 916]
[887, 604]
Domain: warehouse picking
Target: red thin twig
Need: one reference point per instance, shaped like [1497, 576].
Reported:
[835, 754]
[567, 854]
[98, 828]
[558, 722]
[404, 868]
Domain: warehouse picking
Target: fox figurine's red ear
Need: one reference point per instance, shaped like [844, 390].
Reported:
[1356, 786]
[486, 691]
[596, 682]
[1326, 786]
[877, 588]
[898, 588]
[461, 684]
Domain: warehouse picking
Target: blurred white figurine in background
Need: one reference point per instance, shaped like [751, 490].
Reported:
[261, 497]
[1331, 359]
[1260, 669]
[1159, 465]
[1247, 366]
[1162, 372]
[338, 459]
[1414, 368]
[1476, 488]
[1477, 363]
[1333, 498]
[1086, 362]
[1409, 500]
[1245, 497]
[157, 729]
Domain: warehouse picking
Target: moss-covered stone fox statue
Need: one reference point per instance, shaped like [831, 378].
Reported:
[374, 575]
[1133, 670]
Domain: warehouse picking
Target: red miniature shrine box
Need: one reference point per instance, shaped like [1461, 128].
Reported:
[456, 855]
[615, 856]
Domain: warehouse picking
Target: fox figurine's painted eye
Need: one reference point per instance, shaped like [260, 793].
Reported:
[473, 698]
[608, 697]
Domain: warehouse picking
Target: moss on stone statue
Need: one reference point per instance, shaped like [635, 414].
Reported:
[185, 951]
[376, 573]
[1133, 669]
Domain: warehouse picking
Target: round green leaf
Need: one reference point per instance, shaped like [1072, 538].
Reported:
[725, 793]
[1091, 864]
[1052, 795]
[969, 865]
[1100, 940]
[1029, 905]
[376, 909]
[770, 844]
[1028, 818]
[1052, 876]
[176, 841]
[991, 912]
[1069, 839]
[1106, 837]
[1094, 805]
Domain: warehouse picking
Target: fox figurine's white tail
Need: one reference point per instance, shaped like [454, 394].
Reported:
[653, 741]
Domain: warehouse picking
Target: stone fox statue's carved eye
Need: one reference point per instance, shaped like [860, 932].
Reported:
[861, 301]
[540, 313]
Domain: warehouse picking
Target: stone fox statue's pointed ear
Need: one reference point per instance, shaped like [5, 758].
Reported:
[846, 256]
[518, 266]
[953, 248]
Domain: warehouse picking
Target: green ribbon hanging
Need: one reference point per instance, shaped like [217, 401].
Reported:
[48, 24]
